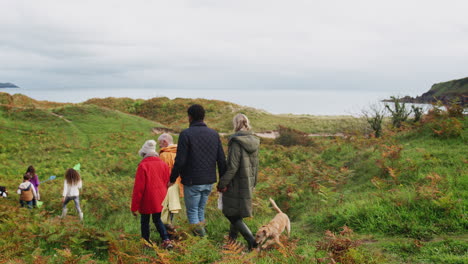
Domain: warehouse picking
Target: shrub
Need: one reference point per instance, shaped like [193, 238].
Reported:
[374, 118]
[418, 112]
[444, 124]
[337, 246]
[399, 112]
[454, 109]
[291, 137]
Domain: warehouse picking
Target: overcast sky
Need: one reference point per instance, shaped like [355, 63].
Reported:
[370, 45]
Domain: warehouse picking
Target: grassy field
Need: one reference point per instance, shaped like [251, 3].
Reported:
[172, 113]
[397, 199]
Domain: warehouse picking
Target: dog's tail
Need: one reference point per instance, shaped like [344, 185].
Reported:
[275, 206]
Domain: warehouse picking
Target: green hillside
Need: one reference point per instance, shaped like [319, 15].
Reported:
[401, 198]
[172, 113]
[446, 92]
[451, 88]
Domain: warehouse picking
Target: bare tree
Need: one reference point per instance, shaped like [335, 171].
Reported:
[399, 112]
[374, 117]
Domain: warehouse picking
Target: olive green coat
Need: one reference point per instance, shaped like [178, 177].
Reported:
[241, 175]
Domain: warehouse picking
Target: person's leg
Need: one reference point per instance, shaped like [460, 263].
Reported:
[171, 218]
[66, 201]
[34, 203]
[145, 228]
[205, 191]
[160, 226]
[233, 232]
[76, 199]
[64, 206]
[30, 204]
[192, 199]
[237, 222]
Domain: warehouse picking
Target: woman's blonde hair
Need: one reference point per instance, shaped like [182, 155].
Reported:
[241, 122]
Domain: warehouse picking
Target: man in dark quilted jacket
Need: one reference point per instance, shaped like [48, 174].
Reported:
[199, 151]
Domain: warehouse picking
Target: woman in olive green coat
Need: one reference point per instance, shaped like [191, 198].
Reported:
[238, 183]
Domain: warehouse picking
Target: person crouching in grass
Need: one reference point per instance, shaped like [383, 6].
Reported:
[27, 192]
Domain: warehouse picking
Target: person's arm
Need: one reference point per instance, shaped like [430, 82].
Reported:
[166, 174]
[221, 159]
[35, 181]
[65, 188]
[138, 189]
[181, 157]
[234, 156]
[33, 191]
[256, 174]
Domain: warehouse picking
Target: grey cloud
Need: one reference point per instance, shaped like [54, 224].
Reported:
[363, 45]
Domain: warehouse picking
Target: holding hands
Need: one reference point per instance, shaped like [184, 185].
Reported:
[221, 190]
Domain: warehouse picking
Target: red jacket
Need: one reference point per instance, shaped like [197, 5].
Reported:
[150, 186]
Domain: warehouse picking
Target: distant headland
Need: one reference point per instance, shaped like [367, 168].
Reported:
[8, 85]
[444, 92]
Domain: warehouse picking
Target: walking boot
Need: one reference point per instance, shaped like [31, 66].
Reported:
[233, 233]
[199, 230]
[231, 238]
[64, 213]
[246, 233]
[81, 216]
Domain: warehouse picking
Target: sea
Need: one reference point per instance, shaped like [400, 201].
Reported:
[299, 102]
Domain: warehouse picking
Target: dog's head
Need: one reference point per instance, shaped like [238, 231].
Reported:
[262, 235]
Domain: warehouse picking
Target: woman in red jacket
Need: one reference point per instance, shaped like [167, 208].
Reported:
[149, 191]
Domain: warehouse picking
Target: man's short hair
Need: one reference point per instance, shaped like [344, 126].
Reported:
[197, 112]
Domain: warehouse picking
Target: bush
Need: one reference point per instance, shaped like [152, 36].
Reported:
[338, 246]
[291, 137]
[399, 112]
[374, 118]
[445, 123]
[418, 112]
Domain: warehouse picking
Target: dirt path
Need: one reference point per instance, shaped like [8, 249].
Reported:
[61, 117]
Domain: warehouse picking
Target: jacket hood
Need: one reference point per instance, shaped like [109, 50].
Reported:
[171, 148]
[24, 185]
[247, 140]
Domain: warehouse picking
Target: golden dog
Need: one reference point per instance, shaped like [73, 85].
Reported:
[269, 234]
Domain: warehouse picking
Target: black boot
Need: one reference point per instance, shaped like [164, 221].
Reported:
[233, 233]
[246, 233]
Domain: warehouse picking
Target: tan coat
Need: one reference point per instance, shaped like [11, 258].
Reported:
[26, 191]
[171, 203]
[168, 155]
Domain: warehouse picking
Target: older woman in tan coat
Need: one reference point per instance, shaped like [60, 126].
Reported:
[238, 183]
